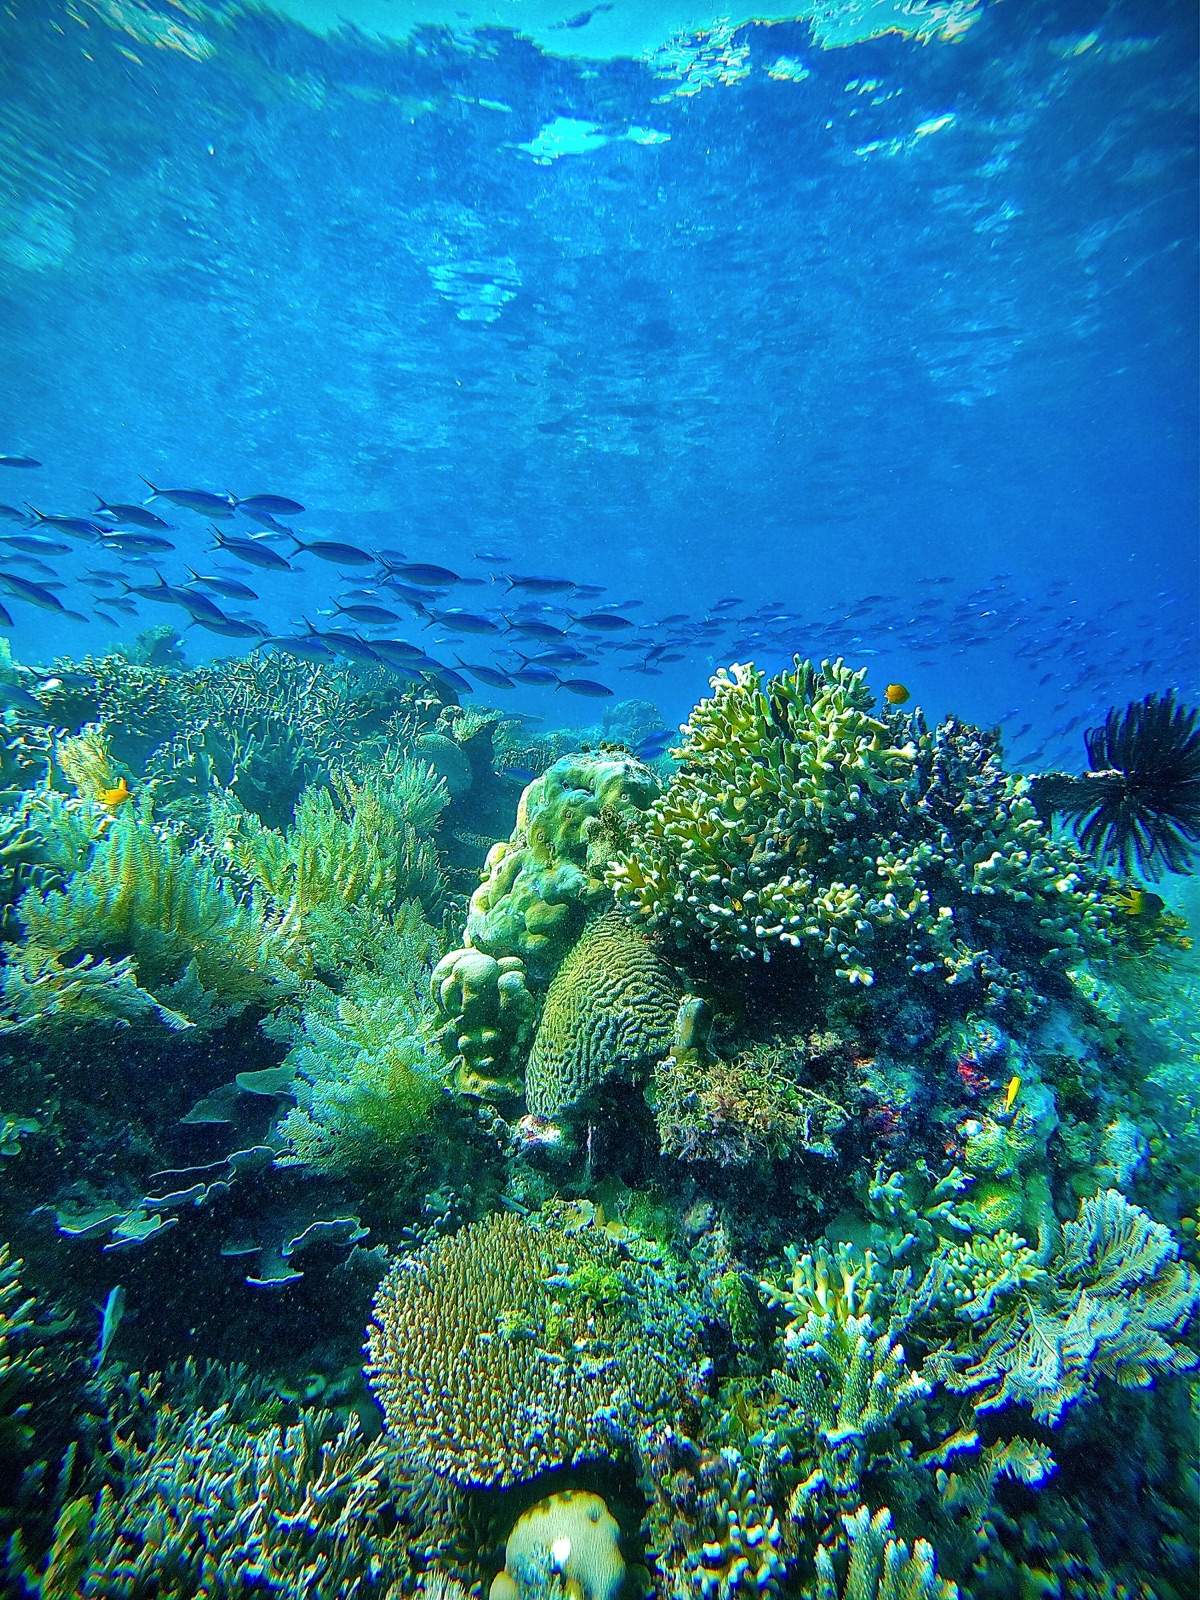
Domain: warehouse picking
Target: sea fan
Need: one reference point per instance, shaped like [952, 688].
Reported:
[1141, 803]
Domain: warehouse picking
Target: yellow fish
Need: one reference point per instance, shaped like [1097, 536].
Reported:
[1142, 903]
[1011, 1093]
[896, 694]
[116, 796]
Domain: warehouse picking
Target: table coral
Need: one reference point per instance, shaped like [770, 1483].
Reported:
[611, 1005]
[515, 1347]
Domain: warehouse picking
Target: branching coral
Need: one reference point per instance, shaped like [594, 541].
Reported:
[711, 1537]
[517, 1346]
[1048, 1326]
[802, 818]
[210, 1507]
[880, 1567]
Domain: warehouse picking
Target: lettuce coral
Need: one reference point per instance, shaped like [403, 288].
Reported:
[801, 817]
[517, 1346]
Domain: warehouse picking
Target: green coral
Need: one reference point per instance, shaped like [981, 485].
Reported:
[802, 818]
[610, 1006]
[494, 1363]
[365, 1073]
[210, 1506]
[540, 884]
[490, 1017]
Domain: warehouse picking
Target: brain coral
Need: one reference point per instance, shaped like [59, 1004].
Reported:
[611, 1004]
[517, 1346]
[540, 883]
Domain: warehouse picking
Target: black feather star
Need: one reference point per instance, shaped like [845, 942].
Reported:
[1139, 806]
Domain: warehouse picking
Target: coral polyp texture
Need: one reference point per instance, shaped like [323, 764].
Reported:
[802, 817]
[539, 885]
[516, 1346]
[610, 1006]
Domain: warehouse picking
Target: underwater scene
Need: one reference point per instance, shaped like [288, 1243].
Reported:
[600, 805]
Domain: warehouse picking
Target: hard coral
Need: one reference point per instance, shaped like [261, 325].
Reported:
[515, 1347]
[611, 1005]
[540, 884]
[801, 818]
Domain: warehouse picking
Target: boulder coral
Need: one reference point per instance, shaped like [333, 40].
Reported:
[540, 884]
[610, 1006]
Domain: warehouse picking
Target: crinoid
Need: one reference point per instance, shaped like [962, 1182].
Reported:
[1139, 806]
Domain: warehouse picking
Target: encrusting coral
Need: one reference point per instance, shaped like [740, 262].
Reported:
[610, 1006]
[516, 1346]
[801, 817]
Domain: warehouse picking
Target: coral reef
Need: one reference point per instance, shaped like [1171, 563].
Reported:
[800, 818]
[610, 1006]
[540, 884]
[517, 1346]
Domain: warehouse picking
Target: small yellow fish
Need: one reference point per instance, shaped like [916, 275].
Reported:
[116, 796]
[896, 694]
[1011, 1093]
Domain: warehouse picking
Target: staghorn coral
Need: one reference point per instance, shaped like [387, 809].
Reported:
[610, 1006]
[515, 1346]
[710, 1535]
[209, 1506]
[880, 1567]
[800, 818]
[844, 1368]
[540, 884]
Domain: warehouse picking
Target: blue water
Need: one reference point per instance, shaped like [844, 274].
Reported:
[890, 312]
